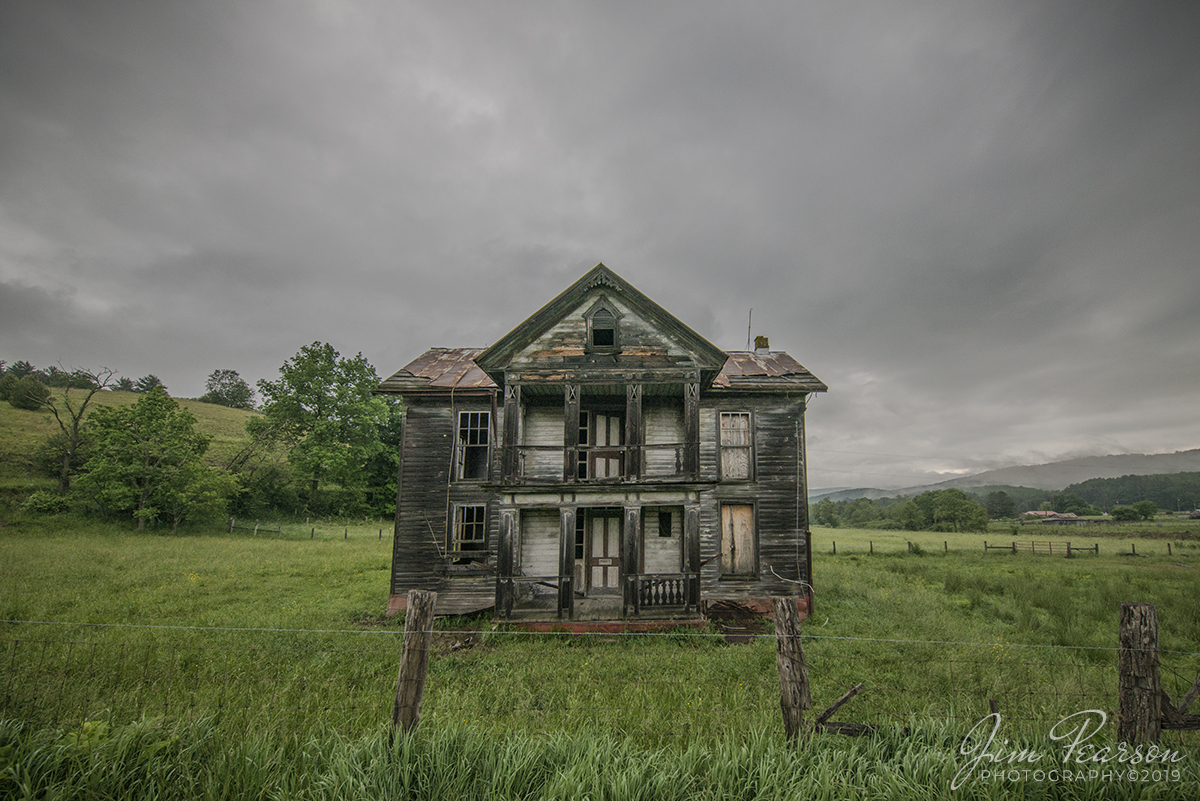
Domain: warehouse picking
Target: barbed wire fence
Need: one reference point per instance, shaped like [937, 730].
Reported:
[658, 688]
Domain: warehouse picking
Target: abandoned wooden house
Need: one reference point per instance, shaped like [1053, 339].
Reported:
[601, 461]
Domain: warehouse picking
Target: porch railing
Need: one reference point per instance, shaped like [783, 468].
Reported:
[659, 590]
[544, 463]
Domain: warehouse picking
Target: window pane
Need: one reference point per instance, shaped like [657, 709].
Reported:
[470, 533]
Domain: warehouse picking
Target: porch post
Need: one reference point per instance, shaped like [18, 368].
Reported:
[691, 430]
[505, 589]
[510, 463]
[566, 562]
[691, 545]
[570, 433]
[635, 431]
[631, 558]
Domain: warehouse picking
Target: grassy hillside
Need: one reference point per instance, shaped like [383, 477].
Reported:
[22, 432]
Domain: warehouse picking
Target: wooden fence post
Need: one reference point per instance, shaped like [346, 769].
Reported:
[793, 671]
[414, 662]
[1139, 683]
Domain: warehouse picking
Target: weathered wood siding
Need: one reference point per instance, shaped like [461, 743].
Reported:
[775, 491]
[543, 429]
[664, 426]
[540, 542]
[662, 554]
[427, 497]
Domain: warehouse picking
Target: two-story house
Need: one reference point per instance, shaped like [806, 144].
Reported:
[601, 461]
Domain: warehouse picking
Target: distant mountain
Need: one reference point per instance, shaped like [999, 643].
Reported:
[1052, 476]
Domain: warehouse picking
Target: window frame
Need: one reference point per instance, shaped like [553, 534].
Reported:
[478, 524]
[747, 448]
[483, 425]
[590, 345]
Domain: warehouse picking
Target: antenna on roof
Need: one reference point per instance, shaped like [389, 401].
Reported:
[748, 322]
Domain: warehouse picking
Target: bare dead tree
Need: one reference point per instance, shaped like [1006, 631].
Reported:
[69, 411]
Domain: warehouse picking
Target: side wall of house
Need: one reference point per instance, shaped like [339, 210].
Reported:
[776, 492]
[428, 495]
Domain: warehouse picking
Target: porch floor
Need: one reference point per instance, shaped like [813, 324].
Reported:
[604, 614]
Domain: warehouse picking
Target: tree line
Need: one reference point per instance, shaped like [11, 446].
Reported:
[323, 443]
[1125, 498]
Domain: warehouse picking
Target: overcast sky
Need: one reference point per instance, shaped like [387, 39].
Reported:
[978, 223]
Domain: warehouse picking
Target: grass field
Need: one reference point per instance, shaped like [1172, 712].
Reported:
[279, 643]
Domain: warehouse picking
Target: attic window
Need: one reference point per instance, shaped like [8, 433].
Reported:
[603, 334]
[604, 331]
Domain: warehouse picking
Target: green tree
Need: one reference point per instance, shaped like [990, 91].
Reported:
[1146, 509]
[147, 461]
[20, 369]
[124, 384]
[226, 388]
[825, 513]
[28, 393]
[1069, 503]
[324, 408]
[1124, 513]
[147, 383]
[960, 510]
[1000, 504]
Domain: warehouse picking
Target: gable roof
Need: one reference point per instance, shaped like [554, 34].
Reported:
[495, 358]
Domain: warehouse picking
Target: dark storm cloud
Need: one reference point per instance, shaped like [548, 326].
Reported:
[976, 222]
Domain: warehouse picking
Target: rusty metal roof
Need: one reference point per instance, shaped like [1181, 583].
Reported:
[442, 369]
[762, 369]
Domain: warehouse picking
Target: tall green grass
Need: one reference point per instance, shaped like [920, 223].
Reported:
[276, 646]
[151, 760]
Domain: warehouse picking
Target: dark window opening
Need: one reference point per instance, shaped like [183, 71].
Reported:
[580, 531]
[470, 533]
[664, 524]
[604, 337]
[473, 439]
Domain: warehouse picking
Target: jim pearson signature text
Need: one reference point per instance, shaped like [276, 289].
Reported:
[985, 754]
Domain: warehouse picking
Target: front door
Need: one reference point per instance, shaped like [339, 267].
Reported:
[604, 554]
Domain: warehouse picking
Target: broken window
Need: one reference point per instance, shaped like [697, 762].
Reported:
[470, 532]
[735, 445]
[474, 430]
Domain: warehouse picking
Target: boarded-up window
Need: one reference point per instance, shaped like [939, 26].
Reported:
[735, 445]
[470, 532]
[737, 539]
[473, 439]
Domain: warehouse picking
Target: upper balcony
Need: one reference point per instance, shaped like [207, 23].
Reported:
[598, 435]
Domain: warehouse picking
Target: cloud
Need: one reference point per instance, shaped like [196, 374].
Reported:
[976, 223]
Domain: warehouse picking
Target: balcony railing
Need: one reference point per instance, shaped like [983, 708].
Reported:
[545, 463]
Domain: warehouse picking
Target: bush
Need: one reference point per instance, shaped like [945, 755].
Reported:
[7, 382]
[1124, 513]
[46, 503]
[28, 393]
